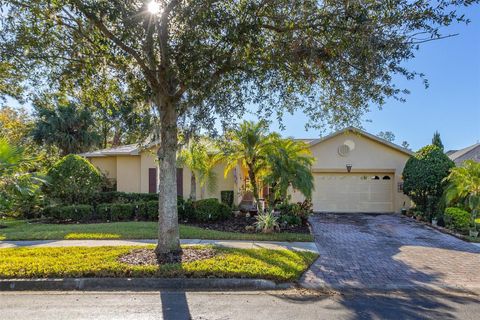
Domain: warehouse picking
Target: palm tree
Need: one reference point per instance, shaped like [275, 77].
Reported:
[67, 126]
[290, 165]
[16, 179]
[249, 145]
[198, 158]
[464, 186]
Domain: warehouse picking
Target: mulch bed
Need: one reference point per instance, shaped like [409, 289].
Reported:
[142, 257]
[239, 224]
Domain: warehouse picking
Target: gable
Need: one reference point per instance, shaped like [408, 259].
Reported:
[363, 153]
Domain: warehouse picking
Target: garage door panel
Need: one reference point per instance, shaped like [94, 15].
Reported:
[352, 193]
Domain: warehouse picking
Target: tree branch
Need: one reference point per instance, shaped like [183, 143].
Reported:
[127, 49]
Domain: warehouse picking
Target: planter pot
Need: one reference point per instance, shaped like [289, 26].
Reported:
[473, 234]
[267, 230]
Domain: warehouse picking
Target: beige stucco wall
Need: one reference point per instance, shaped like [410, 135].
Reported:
[107, 165]
[366, 155]
[223, 183]
[148, 160]
[128, 173]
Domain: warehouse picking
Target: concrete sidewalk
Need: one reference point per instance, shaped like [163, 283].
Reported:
[299, 246]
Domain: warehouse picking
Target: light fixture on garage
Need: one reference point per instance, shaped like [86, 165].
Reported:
[349, 167]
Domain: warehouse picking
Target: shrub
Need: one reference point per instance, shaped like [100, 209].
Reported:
[267, 222]
[116, 211]
[81, 212]
[423, 177]
[457, 219]
[295, 213]
[187, 211]
[290, 220]
[102, 212]
[211, 210]
[72, 180]
[151, 210]
[120, 197]
[227, 197]
[122, 211]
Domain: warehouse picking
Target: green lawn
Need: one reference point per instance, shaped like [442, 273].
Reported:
[22, 230]
[280, 265]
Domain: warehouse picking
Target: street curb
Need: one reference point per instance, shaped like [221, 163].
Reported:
[391, 288]
[143, 284]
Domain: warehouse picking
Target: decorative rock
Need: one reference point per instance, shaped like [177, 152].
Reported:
[249, 228]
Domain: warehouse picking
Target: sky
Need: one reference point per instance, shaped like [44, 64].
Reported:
[450, 105]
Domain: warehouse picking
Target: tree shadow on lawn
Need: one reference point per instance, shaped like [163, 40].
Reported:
[395, 268]
[280, 258]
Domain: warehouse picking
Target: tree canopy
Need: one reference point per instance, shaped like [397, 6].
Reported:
[65, 125]
[437, 141]
[424, 175]
[330, 59]
[387, 135]
[200, 61]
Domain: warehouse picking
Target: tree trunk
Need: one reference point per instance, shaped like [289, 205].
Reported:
[193, 187]
[253, 181]
[168, 247]
[116, 138]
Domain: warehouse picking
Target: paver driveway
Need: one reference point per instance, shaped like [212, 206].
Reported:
[388, 251]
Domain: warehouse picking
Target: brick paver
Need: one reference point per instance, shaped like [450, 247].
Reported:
[385, 251]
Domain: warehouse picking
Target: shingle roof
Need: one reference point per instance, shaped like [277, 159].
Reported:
[461, 152]
[134, 149]
[129, 149]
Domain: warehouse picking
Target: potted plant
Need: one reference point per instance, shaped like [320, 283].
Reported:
[404, 210]
[473, 232]
[236, 211]
[267, 222]
[434, 221]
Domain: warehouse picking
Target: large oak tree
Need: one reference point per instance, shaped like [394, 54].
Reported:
[197, 61]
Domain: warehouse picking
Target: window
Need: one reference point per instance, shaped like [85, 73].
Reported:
[375, 178]
[386, 178]
[400, 187]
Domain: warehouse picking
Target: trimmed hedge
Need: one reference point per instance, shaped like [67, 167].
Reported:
[121, 197]
[211, 210]
[122, 211]
[201, 210]
[457, 219]
[80, 212]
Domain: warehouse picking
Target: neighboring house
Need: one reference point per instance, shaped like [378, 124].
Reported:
[468, 153]
[354, 171]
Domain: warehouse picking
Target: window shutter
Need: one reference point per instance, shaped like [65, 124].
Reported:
[152, 180]
[180, 182]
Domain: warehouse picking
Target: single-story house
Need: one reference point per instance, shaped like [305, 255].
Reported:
[354, 171]
[469, 153]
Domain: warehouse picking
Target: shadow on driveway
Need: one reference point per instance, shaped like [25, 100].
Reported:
[409, 262]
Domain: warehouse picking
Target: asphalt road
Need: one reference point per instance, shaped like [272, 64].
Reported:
[289, 305]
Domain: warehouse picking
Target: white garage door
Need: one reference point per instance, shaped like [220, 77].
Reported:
[352, 192]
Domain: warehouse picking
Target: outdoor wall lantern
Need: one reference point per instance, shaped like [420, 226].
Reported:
[349, 167]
